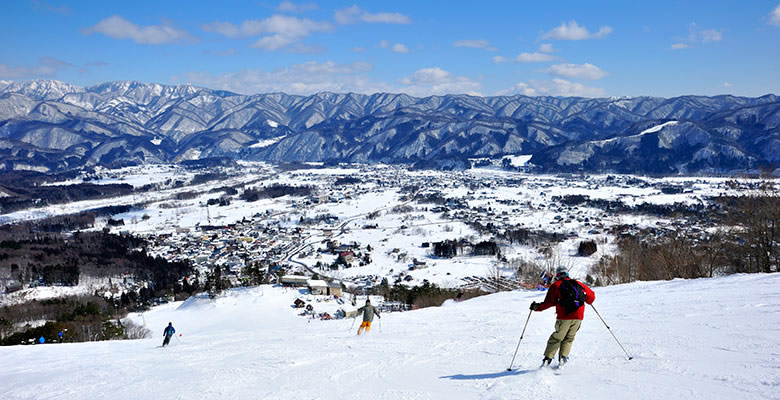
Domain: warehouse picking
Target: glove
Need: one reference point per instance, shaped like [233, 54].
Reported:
[534, 306]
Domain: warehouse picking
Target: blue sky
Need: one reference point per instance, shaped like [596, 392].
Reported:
[562, 48]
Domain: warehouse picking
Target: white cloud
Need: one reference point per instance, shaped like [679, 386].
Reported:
[273, 42]
[546, 48]
[54, 63]
[42, 5]
[47, 67]
[331, 67]
[313, 77]
[350, 15]
[399, 48]
[227, 29]
[573, 31]
[534, 57]
[119, 28]
[304, 79]
[696, 36]
[710, 35]
[385, 18]
[347, 15]
[284, 30]
[436, 81]
[475, 44]
[427, 76]
[584, 71]
[358, 49]
[288, 6]
[774, 16]
[228, 52]
[302, 48]
[499, 59]
[277, 24]
[727, 84]
[555, 87]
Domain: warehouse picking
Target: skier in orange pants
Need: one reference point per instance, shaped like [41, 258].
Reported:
[368, 316]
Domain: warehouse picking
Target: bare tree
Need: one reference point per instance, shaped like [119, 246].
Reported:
[135, 331]
[525, 270]
[494, 275]
[554, 259]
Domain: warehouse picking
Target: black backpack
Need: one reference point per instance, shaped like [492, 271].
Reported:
[572, 295]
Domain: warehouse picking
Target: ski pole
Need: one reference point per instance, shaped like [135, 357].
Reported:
[353, 323]
[521, 339]
[610, 331]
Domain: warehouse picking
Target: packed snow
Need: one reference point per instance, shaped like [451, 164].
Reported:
[519, 161]
[657, 127]
[267, 142]
[690, 339]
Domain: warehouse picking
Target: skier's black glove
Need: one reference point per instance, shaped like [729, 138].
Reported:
[534, 306]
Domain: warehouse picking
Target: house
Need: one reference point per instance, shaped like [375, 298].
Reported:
[346, 257]
[334, 289]
[342, 248]
[294, 280]
[417, 263]
[317, 286]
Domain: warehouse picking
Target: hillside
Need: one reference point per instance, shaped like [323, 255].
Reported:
[51, 126]
[690, 339]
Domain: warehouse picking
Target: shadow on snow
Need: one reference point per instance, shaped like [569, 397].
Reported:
[462, 377]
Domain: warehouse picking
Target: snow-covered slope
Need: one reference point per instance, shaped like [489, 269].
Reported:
[691, 339]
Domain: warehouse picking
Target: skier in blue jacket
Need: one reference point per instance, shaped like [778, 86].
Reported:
[168, 332]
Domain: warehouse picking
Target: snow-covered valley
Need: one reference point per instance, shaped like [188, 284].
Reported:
[369, 210]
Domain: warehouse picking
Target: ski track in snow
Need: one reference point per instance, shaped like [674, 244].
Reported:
[691, 339]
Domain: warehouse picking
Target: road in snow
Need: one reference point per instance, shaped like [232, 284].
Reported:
[691, 339]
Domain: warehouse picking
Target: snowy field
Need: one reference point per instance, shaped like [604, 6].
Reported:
[691, 339]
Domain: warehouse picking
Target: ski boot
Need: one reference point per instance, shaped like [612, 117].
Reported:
[546, 362]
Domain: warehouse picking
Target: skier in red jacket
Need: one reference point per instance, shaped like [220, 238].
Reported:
[569, 308]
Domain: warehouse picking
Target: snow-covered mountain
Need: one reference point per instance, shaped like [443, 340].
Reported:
[53, 125]
[689, 339]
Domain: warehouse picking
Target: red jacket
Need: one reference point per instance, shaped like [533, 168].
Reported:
[552, 299]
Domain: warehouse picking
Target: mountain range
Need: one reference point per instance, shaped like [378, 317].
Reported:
[47, 125]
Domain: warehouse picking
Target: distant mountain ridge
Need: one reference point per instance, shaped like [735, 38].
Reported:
[49, 125]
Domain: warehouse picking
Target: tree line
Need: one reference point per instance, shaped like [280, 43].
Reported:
[746, 239]
[29, 258]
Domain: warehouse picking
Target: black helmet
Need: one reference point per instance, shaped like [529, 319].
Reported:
[170, 323]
